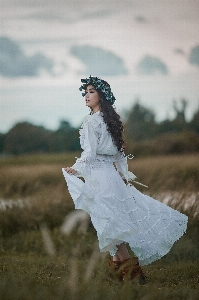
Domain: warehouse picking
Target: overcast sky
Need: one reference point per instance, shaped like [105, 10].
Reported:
[146, 49]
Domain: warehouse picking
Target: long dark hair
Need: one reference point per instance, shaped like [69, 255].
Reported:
[112, 120]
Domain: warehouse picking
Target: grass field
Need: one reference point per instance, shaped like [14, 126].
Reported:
[39, 261]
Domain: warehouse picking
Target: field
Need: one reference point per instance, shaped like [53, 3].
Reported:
[39, 261]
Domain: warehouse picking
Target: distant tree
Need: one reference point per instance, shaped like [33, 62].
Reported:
[179, 123]
[66, 138]
[194, 123]
[180, 112]
[26, 138]
[140, 123]
[2, 137]
[165, 126]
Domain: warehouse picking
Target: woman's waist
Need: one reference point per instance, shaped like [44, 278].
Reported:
[104, 157]
[102, 163]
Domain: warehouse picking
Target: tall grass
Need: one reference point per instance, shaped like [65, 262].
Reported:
[35, 159]
[33, 176]
[38, 260]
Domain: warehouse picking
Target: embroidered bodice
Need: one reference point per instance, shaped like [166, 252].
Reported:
[97, 145]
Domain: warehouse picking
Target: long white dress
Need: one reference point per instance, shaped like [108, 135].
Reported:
[119, 212]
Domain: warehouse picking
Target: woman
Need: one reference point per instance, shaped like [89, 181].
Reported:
[119, 212]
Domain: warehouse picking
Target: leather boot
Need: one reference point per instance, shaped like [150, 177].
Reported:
[114, 270]
[130, 269]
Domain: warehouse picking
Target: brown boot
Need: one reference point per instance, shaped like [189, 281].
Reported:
[114, 270]
[130, 269]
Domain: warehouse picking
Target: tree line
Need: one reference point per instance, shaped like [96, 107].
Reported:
[143, 134]
[141, 123]
[25, 138]
[146, 136]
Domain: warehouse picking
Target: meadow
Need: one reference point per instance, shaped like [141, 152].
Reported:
[38, 260]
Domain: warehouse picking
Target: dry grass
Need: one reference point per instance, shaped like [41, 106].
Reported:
[163, 173]
[32, 177]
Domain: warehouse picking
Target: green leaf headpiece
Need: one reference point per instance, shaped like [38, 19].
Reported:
[100, 85]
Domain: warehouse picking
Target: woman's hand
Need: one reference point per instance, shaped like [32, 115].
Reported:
[70, 170]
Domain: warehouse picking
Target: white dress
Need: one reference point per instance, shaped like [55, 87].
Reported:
[119, 212]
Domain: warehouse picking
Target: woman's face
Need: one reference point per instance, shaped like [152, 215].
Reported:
[92, 98]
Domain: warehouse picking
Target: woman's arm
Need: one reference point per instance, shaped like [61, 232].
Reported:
[82, 165]
[122, 167]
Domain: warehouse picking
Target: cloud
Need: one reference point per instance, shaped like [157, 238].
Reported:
[15, 63]
[63, 13]
[96, 14]
[98, 61]
[194, 56]
[179, 51]
[140, 19]
[151, 65]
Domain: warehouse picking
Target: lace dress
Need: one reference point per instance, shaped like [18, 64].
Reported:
[119, 212]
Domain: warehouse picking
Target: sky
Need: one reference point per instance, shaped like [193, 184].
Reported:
[148, 50]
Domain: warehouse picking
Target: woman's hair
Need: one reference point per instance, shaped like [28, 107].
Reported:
[112, 120]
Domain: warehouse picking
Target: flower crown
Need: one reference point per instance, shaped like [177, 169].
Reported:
[99, 84]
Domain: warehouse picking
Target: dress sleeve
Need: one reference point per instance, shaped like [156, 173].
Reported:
[82, 164]
[122, 166]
